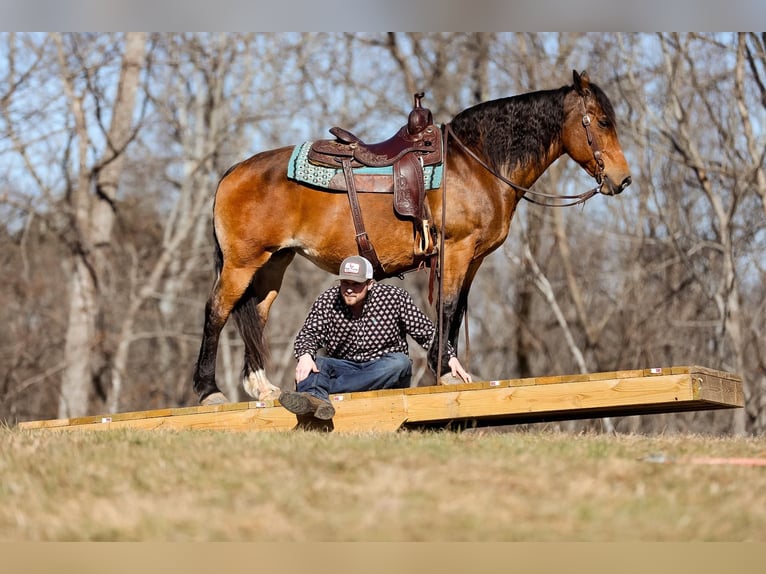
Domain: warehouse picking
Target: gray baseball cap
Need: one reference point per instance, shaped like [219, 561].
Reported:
[355, 268]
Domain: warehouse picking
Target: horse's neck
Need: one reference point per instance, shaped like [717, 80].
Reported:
[525, 175]
[507, 133]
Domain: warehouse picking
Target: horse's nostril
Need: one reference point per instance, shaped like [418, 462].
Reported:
[626, 182]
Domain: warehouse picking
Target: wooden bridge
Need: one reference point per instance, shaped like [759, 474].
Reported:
[499, 402]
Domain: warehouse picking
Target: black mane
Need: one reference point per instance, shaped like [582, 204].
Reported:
[519, 129]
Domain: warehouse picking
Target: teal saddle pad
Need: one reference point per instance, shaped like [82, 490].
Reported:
[299, 168]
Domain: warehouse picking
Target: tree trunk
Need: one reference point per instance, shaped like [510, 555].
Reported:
[93, 215]
[76, 376]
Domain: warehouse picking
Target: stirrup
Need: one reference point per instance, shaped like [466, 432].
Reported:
[424, 245]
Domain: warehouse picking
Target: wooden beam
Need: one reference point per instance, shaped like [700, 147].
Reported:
[509, 401]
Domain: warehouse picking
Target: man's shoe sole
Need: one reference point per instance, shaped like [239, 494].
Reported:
[325, 411]
[296, 403]
[307, 404]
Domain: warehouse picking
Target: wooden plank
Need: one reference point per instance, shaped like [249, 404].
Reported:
[510, 401]
[384, 412]
[232, 416]
[718, 387]
[551, 397]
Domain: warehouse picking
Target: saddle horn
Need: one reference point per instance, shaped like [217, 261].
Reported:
[420, 117]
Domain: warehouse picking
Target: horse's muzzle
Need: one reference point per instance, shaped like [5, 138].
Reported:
[608, 187]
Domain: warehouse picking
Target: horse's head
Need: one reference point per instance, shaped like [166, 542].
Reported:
[590, 136]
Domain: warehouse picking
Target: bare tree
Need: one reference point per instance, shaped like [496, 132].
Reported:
[100, 110]
[91, 199]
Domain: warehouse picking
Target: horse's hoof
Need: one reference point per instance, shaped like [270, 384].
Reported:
[257, 385]
[450, 379]
[214, 399]
[270, 395]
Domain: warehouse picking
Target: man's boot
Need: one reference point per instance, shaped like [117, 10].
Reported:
[305, 404]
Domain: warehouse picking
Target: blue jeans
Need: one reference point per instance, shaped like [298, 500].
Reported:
[391, 371]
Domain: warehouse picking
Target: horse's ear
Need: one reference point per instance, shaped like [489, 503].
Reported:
[581, 82]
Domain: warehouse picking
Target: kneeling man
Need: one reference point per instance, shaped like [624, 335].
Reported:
[362, 327]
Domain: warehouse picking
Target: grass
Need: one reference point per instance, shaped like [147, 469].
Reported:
[408, 486]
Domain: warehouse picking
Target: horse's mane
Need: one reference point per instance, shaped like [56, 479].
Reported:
[519, 129]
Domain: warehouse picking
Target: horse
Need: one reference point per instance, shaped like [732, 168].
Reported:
[494, 152]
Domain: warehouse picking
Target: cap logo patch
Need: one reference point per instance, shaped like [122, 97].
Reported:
[351, 267]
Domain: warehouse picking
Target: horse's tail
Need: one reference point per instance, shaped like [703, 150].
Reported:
[251, 329]
[217, 255]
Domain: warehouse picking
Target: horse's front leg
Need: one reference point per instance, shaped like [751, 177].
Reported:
[455, 288]
[448, 333]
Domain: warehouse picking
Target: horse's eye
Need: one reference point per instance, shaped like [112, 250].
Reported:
[603, 123]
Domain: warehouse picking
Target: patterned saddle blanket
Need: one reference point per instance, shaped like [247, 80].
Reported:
[367, 179]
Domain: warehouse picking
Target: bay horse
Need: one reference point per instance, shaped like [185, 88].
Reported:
[494, 152]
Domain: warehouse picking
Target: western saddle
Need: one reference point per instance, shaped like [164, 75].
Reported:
[413, 146]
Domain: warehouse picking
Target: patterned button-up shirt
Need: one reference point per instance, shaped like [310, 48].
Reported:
[388, 316]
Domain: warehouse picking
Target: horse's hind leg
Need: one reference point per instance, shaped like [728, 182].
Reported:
[227, 291]
[251, 315]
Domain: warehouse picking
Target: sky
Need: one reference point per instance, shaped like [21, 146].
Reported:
[371, 15]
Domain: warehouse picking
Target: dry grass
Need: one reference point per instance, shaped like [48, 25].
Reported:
[299, 486]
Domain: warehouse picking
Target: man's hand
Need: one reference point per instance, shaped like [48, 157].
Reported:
[458, 370]
[305, 367]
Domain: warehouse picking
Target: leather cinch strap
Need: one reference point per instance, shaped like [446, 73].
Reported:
[363, 242]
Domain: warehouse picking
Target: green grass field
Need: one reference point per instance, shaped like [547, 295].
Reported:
[407, 486]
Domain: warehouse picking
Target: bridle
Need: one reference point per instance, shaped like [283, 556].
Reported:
[576, 199]
[593, 143]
